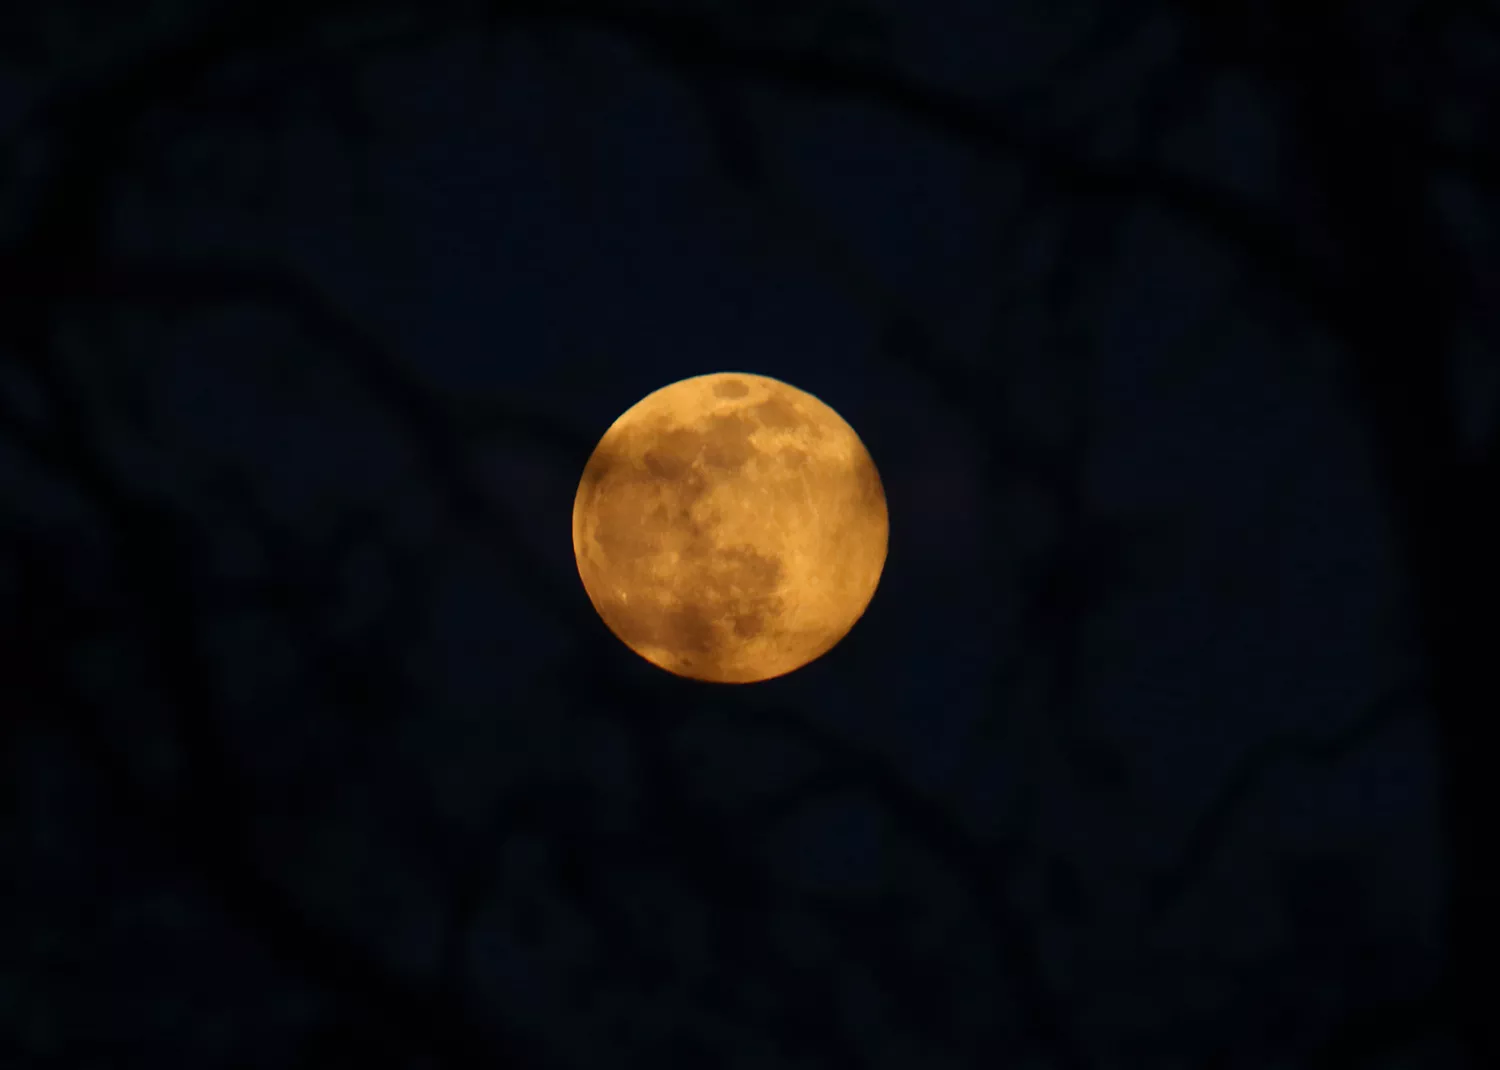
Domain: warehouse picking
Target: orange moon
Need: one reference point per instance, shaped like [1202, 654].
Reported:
[730, 528]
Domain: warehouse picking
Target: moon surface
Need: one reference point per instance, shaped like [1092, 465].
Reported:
[730, 528]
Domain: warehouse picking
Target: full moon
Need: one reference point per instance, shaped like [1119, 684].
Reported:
[730, 528]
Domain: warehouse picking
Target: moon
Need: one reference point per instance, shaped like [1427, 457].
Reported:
[730, 528]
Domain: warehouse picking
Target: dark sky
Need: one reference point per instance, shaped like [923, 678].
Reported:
[1126, 765]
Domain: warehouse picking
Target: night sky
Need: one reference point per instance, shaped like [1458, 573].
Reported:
[315, 753]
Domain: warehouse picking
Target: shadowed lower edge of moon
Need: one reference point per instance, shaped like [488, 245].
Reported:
[736, 631]
[690, 641]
